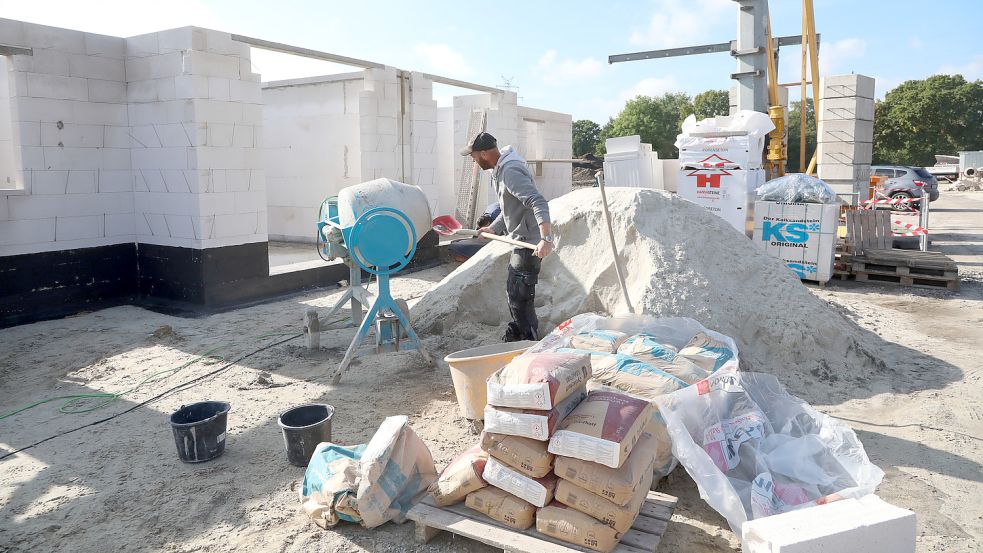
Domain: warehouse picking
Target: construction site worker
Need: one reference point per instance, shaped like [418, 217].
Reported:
[525, 216]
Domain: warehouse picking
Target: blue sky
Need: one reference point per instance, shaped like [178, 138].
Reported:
[556, 53]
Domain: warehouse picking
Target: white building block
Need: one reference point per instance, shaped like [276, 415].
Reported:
[861, 525]
[219, 134]
[12, 31]
[111, 180]
[242, 136]
[105, 46]
[32, 157]
[141, 46]
[142, 91]
[106, 91]
[167, 88]
[216, 111]
[95, 67]
[84, 182]
[250, 201]
[30, 133]
[245, 91]
[152, 180]
[204, 227]
[839, 171]
[237, 224]
[48, 62]
[4, 208]
[33, 231]
[157, 224]
[94, 113]
[49, 182]
[175, 40]
[179, 226]
[218, 88]
[846, 131]
[117, 137]
[237, 180]
[160, 158]
[74, 228]
[172, 135]
[56, 86]
[844, 86]
[210, 64]
[191, 86]
[114, 159]
[40, 36]
[145, 136]
[154, 67]
[846, 109]
[175, 181]
[845, 152]
[72, 135]
[119, 224]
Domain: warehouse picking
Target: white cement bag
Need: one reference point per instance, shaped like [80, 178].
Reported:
[537, 491]
[531, 423]
[606, 341]
[354, 201]
[754, 450]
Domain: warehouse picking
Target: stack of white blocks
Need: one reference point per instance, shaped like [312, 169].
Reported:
[846, 132]
[551, 140]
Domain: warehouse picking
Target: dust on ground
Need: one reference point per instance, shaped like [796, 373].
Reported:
[121, 483]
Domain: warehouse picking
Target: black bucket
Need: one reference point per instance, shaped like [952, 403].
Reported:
[304, 427]
[199, 430]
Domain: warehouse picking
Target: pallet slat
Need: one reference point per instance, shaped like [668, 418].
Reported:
[644, 536]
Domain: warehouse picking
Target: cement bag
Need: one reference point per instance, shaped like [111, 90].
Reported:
[652, 453]
[631, 375]
[570, 525]
[647, 348]
[754, 450]
[461, 477]
[395, 471]
[537, 491]
[503, 507]
[673, 331]
[525, 455]
[602, 429]
[707, 352]
[607, 341]
[619, 517]
[538, 381]
[354, 201]
[331, 484]
[531, 423]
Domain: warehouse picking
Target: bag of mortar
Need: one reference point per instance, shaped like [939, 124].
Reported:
[676, 332]
[619, 517]
[461, 477]
[648, 349]
[570, 525]
[707, 352]
[531, 423]
[538, 381]
[395, 471]
[754, 450]
[330, 485]
[602, 429]
[652, 453]
[503, 507]
[525, 455]
[631, 375]
[607, 341]
[538, 491]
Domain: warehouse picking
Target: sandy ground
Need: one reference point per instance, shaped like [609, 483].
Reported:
[120, 484]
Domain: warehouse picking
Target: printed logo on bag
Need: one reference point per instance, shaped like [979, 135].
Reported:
[722, 440]
[715, 161]
[793, 235]
[709, 178]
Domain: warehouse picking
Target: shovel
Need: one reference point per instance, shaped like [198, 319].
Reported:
[447, 225]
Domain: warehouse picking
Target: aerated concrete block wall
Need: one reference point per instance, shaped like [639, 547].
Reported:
[68, 160]
[846, 130]
[552, 139]
[312, 148]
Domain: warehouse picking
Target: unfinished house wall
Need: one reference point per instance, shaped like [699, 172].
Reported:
[312, 148]
[446, 158]
[547, 135]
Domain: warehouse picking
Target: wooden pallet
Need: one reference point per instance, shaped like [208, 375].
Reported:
[907, 268]
[643, 537]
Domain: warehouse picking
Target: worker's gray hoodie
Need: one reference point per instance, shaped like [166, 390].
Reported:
[523, 207]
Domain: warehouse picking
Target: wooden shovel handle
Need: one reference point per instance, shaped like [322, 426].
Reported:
[507, 240]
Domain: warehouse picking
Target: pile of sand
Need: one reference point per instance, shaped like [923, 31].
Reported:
[681, 261]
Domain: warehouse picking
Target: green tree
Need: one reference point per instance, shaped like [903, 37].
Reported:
[711, 103]
[794, 124]
[586, 136]
[656, 119]
[918, 119]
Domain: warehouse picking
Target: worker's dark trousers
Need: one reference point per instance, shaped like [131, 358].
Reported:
[521, 290]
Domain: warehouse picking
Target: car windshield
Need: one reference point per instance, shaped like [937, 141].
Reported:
[921, 172]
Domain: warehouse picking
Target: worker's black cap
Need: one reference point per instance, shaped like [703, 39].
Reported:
[482, 142]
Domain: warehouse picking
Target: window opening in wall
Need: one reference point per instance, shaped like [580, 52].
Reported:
[11, 176]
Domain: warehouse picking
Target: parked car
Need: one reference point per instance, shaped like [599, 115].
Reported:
[906, 182]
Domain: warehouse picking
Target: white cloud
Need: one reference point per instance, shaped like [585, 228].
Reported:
[916, 43]
[555, 73]
[444, 60]
[652, 86]
[971, 70]
[834, 57]
[690, 23]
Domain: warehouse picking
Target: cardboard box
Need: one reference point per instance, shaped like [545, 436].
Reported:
[727, 193]
[801, 235]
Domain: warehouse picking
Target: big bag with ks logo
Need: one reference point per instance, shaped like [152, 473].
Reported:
[754, 450]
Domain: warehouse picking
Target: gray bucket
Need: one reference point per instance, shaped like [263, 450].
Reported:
[304, 427]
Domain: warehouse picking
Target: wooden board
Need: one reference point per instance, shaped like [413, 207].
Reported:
[910, 258]
[643, 537]
[947, 283]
